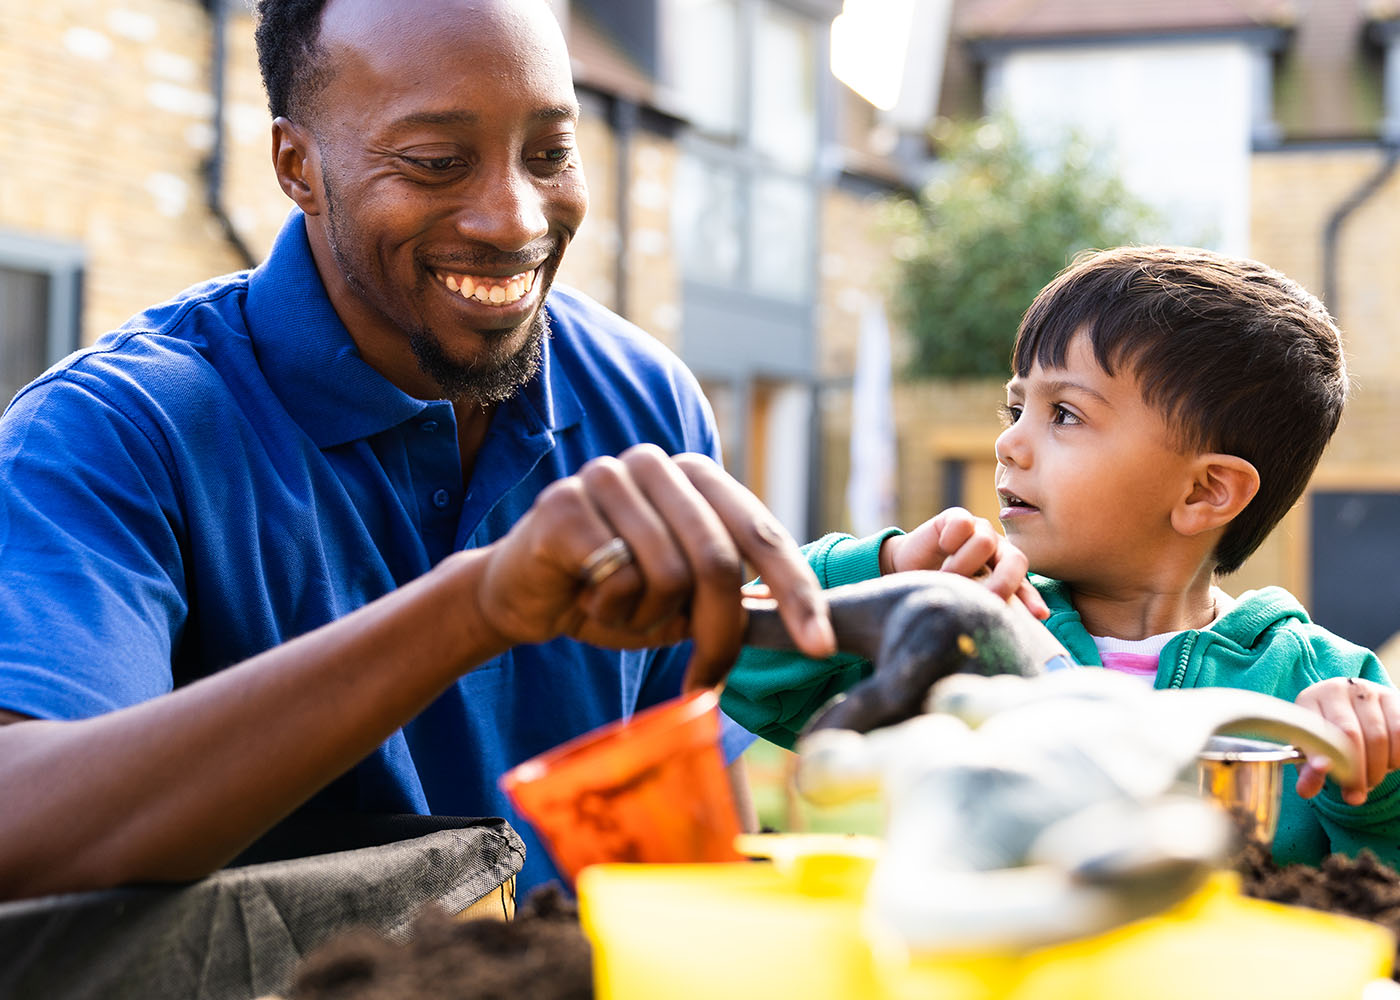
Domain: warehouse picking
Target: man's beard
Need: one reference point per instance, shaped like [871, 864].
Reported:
[489, 381]
[493, 379]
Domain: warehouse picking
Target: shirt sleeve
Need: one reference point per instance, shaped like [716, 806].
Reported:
[773, 692]
[91, 595]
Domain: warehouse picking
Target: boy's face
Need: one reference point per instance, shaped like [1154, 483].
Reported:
[1087, 475]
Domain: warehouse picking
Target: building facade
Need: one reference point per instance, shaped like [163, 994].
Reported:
[1256, 127]
[731, 178]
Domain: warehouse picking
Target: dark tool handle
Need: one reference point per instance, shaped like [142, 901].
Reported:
[859, 612]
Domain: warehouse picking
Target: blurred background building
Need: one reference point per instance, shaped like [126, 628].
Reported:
[738, 208]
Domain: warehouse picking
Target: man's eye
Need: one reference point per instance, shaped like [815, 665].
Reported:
[436, 164]
[557, 158]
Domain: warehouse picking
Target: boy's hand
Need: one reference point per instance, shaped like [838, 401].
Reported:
[1369, 713]
[957, 542]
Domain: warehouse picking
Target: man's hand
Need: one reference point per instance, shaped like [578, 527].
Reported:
[689, 527]
[957, 542]
[1369, 713]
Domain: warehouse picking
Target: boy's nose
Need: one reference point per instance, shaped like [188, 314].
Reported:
[1010, 448]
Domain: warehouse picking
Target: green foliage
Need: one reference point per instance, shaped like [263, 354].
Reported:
[988, 232]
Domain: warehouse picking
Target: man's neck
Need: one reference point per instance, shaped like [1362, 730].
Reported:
[473, 419]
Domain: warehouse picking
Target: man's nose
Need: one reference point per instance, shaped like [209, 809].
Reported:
[505, 211]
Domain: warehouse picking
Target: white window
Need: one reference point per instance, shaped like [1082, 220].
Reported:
[1175, 120]
[744, 74]
[40, 283]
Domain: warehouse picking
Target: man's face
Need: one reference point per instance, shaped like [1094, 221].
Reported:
[450, 183]
[1087, 474]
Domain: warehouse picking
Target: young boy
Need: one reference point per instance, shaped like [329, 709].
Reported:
[1168, 407]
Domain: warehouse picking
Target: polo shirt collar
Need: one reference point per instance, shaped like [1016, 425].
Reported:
[314, 367]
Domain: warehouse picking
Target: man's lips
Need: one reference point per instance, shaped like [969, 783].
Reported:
[491, 291]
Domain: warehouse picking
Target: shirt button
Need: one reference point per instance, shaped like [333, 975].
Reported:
[429, 426]
[440, 499]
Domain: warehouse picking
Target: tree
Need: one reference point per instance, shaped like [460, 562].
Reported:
[995, 224]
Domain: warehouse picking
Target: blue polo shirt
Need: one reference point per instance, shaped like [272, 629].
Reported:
[224, 472]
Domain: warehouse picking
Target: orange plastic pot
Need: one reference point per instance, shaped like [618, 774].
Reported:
[649, 789]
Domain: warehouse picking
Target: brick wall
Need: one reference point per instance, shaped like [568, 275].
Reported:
[1294, 194]
[106, 117]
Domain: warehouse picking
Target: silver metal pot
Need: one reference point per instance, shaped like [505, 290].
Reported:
[1246, 777]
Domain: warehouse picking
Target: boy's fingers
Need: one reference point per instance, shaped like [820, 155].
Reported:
[1392, 725]
[1035, 604]
[1008, 569]
[1312, 775]
[1332, 699]
[1374, 733]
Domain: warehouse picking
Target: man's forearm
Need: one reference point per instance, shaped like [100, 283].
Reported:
[172, 788]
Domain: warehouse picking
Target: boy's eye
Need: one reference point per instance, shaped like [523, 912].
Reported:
[1009, 413]
[1063, 416]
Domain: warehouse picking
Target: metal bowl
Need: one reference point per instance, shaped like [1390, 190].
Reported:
[1246, 778]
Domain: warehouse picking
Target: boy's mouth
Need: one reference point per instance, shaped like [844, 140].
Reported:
[1011, 504]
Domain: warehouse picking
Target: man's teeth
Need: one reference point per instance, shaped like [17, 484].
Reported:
[492, 291]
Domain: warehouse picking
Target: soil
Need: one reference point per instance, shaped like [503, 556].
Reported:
[542, 954]
[1357, 887]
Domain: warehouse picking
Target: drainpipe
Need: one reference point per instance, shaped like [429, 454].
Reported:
[214, 165]
[1332, 232]
[622, 116]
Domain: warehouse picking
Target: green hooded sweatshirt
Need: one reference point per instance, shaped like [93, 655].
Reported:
[1265, 643]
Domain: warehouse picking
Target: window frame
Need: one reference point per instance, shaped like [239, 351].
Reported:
[63, 263]
[731, 328]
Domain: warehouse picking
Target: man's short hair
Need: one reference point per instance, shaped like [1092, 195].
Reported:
[289, 54]
[1238, 358]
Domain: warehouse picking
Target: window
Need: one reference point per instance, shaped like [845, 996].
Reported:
[745, 73]
[40, 286]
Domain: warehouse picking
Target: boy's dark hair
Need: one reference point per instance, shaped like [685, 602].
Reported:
[1238, 358]
[289, 54]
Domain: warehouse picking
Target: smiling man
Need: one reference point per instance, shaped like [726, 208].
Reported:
[439, 210]
[354, 532]
[358, 530]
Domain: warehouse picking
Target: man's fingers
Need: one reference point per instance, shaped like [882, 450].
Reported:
[768, 546]
[712, 556]
[659, 586]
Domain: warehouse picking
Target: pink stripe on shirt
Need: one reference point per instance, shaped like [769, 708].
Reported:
[1136, 664]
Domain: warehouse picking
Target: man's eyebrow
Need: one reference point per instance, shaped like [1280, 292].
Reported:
[560, 112]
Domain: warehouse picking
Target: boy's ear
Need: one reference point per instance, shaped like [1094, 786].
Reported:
[296, 160]
[1221, 487]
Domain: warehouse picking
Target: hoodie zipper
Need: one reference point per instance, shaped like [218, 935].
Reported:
[1179, 674]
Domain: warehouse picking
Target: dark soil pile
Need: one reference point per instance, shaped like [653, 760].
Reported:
[540, 955]
[1355, 887]
[543, 954]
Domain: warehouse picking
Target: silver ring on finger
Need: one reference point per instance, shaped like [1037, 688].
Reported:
[604, 561]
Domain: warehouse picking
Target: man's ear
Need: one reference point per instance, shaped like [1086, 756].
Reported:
[1221, 487]
[297, 162]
